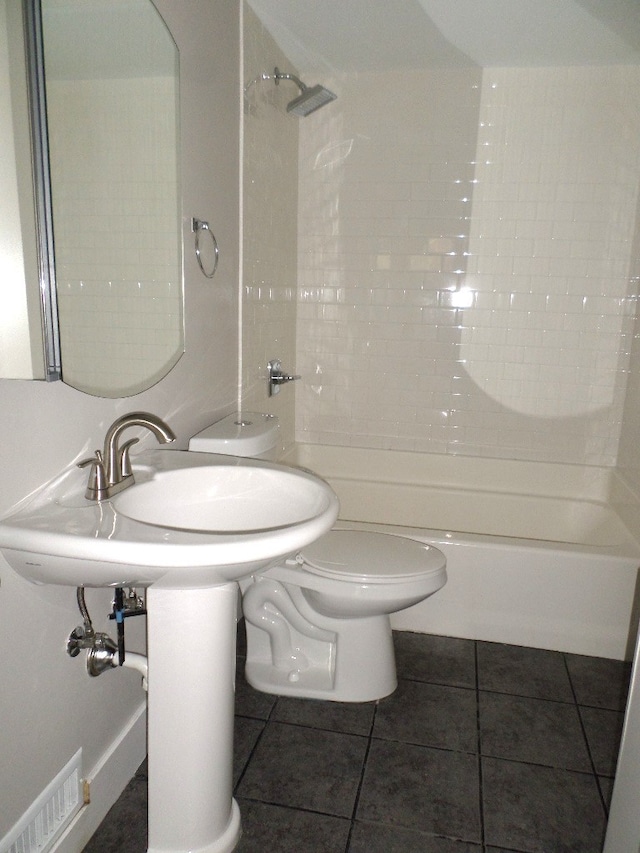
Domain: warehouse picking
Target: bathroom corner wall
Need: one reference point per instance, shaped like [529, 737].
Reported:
[49, 707]
[270, 202]
[467, 289]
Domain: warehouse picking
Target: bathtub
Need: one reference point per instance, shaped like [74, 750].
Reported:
[537, 554]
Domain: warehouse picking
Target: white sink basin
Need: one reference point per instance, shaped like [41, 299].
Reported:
[234, 499]
[191, 520]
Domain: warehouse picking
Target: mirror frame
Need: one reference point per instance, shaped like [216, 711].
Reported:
[34, 50]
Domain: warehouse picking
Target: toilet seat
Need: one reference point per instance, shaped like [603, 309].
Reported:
[375, 558]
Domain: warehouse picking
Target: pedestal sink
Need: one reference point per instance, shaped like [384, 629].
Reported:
[190, 527]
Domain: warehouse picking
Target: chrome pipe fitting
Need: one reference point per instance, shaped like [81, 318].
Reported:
[276, 378]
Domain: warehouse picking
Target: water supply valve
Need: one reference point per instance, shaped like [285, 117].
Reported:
[276, 378]
[100, 648]
[103, 653]
[101, 656]
[79, 639]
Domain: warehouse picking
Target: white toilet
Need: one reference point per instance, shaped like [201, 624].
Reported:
[318, 625]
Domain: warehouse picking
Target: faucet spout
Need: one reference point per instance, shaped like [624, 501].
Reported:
[116, 458]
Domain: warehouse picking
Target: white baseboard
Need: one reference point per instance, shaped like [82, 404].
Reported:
[107, 779]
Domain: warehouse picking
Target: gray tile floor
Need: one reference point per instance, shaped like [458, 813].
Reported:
[484, 748]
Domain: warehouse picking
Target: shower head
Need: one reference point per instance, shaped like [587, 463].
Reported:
[310, 99]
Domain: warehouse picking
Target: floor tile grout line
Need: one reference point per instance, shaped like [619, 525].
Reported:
[588, 773]
[526, 696]
[436, 683]
[255, 745]
[314, 728]
[371, 736]
[476, 688]
[586, 739]
[289, 808]
[356, 801]
[479, 745]
[236, 787]
[447, 749]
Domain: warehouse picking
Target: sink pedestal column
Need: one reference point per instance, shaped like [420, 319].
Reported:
[192, 658]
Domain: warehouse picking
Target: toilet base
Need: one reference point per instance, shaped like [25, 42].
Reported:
[358, 665]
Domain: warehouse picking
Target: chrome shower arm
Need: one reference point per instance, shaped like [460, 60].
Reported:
[281, 75]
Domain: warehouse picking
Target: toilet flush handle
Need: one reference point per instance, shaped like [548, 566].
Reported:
[276, 378]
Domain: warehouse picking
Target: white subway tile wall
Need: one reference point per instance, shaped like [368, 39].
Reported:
[115, 232]
[465, 257]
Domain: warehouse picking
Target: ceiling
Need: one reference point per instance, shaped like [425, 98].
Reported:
[327, 36]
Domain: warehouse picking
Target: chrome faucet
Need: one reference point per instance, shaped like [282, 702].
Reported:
[111, 470]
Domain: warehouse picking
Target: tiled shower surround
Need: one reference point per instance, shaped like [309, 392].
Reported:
[467, 280]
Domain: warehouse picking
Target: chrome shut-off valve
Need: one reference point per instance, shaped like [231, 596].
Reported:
[276, 378]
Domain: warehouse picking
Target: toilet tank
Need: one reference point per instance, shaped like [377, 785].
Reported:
[252, 434]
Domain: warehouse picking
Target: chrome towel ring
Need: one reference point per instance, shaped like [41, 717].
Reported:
[198, 225]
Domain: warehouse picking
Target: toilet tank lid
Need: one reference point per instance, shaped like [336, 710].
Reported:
[246, 434]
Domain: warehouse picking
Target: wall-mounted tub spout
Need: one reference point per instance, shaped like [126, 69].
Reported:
[276, 378]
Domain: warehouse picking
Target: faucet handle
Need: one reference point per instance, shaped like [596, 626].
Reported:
[125, 460]
[97, 485]
[276, 378]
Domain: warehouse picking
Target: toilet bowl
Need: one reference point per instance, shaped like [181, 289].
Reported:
[318, 624]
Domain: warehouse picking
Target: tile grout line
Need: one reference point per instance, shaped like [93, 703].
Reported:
[255, 745]
[586, 740]
[479, 744]
[364, 768]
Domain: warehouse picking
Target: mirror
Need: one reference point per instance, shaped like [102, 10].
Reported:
[104, 81]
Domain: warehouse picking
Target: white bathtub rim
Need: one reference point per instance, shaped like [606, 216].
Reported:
[628, 551]
[453, 471]
[616, 504]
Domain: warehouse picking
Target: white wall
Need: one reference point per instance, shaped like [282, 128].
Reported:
[49, 707]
